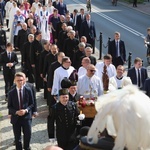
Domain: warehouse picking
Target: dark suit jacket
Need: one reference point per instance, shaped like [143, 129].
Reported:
[62, 10]
[13, 104]
[54, 4]
[147, 87]
[132, 74]
[32, 88]
[4, 60]
[78, 24]
[112, 50]
[89, 32]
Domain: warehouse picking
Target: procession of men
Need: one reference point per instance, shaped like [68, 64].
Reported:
[56, 48]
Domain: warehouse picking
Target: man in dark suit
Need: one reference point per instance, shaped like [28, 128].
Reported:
[116, 49]
[62, 8]
[138, 74]
[74, 16]
[88, 30]
[8, 60]
[55, 3]
[20, 104]
[80, 19]
[147, 87]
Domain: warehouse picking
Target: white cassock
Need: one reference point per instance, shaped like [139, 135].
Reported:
[35, 5]
[44, 15]
[8, 7]
[11, 21]
[59, 74]
[50, 9]
[82, 71]
[115, 83]
[89, 86]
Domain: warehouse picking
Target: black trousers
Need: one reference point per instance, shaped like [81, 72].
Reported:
[92, 42]
[23, 125]
[117, 61]
[9, 80]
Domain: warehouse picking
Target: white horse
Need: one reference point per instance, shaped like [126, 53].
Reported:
[125, 114]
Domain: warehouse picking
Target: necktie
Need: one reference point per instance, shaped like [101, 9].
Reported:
[9, 56]
[89, 24]
[21, 99]
[105, 78]
[139, 78]
[82, 17]
[74, 20]
[117, 50]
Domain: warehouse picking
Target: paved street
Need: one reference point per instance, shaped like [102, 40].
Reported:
[39, 126]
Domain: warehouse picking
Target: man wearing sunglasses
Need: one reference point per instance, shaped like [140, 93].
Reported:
[89, 85]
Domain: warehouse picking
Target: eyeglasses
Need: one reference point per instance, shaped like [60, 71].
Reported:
[68, 62]
[19, 80]
[92, 70]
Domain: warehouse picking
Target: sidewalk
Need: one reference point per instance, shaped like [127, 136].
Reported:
[39, 125]
[144, 7]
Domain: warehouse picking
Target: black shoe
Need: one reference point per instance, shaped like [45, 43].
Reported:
[7, 30]
[38, 90]
[6, 99]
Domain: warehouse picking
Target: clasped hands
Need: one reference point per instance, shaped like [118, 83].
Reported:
[9, 64]
[21, 112]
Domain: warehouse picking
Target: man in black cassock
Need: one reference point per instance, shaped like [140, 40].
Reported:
[36, 49]
[3, 39]
[26, 58]
[78, 54]
[70, 45]
[62, 36]
[49, 59]
[43, 54]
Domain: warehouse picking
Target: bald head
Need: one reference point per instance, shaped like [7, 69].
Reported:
[53, 148]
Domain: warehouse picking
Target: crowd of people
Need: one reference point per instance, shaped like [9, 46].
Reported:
[56, 49]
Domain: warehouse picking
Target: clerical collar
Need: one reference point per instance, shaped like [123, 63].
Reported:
[119, 78]
[64, 68]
